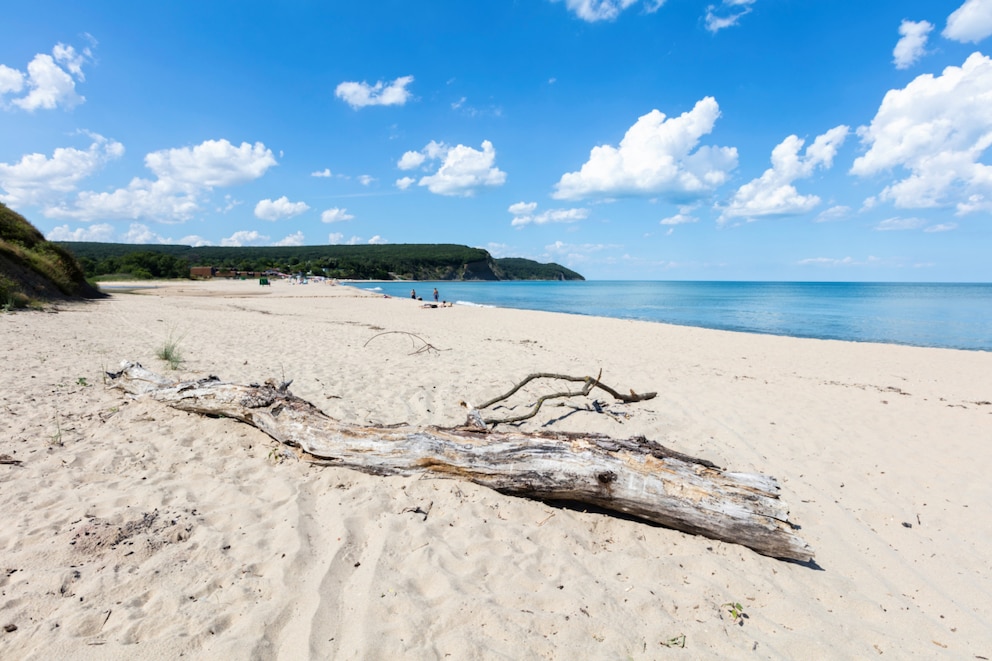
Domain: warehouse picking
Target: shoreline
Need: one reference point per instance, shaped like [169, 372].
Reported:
[236, 547]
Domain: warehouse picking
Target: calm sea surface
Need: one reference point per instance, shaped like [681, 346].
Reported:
[956, 316]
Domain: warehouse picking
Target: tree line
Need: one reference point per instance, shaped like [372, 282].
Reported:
[382, 262]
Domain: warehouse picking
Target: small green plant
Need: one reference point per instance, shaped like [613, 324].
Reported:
[736, 611]
[676, 641]
[169, 352]
[81, 381]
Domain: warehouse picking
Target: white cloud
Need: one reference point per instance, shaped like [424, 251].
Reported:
[656, 157]
[913, 43]
[598, 10]
[335, 238]
[142, 234]
[972, 22]
[772, 194]
[185, 175]
[360, 95]
[941, 227]
[11, 80]
[937, 128]
[523, 214]
[48, 84]
[405, 182]
[462, 172]
[211, 163]
[100, 232]
[37, 179]
[838, 212]
[326, 172]
[335, 215]
[900, 224]
[523, 208]
[280, 208]
[295, 239]
[726, 14]
[411, 160]
[245, 238]
[683, 217]
[366, 179]
[194, 240]
[377, 240]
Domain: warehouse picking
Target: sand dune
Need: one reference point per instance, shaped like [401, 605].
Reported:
[135, 531]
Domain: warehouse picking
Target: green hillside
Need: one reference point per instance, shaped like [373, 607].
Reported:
[33, 270]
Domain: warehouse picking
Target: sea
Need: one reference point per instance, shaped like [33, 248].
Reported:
[944, 315]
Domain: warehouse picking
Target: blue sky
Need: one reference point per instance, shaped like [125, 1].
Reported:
[627, 139]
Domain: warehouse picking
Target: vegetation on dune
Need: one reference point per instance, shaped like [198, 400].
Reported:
[368, 262]
[33, 270]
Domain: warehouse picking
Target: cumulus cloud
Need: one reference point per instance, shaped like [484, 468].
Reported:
[245, 238]
[335, 215]
[657, 156]
[727, 14]
[326, 172]
[937, 129]
[99, 232]
[405, 182]
[212, 163]
[50, 80]
[913, 43]
[37, 179]
[185, 175]
[335, 238]
[295, 239]
[462, 170]
[941, 227]
[360, 95]
[278, 209]
[523, 214]
[971, 22]
[772, 194]
[606, 10]
[683, 217]
[377, 241]
[136, 233]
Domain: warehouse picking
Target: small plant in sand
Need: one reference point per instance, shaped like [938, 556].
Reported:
[675, 641]
[736, 611]
[81, 381]
[169, 352]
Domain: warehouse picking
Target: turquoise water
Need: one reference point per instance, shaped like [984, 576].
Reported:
[955, 316]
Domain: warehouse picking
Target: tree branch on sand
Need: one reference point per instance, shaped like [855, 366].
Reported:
[588, 381]
[634, 476]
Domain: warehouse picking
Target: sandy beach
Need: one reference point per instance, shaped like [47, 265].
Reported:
[135, 531]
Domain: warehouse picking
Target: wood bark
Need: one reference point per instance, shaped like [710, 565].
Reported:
[634, 476]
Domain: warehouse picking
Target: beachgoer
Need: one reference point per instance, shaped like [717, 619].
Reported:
[435, 294]
[413, 294]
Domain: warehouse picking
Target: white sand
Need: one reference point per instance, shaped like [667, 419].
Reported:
[134, 531]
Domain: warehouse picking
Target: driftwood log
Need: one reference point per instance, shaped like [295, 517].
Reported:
[635, 476]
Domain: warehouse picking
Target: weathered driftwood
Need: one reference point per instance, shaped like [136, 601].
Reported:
[634, 476]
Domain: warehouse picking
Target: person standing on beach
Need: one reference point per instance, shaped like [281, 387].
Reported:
[435, 294]
[413, 294]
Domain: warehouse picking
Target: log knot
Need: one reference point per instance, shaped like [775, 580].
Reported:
[607, 477]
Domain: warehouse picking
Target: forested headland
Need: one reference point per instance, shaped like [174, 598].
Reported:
[364, 262]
